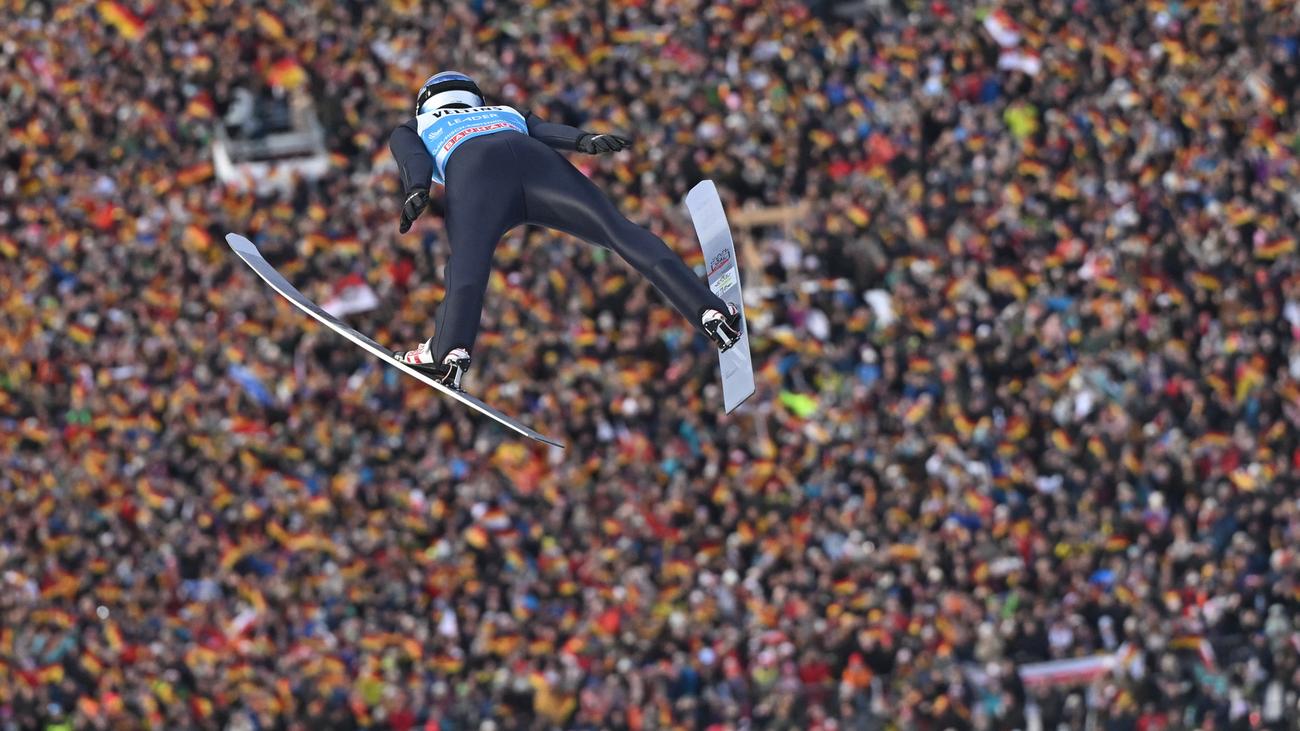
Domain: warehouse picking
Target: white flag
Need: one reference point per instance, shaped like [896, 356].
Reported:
[351, 295]
[1003, 29]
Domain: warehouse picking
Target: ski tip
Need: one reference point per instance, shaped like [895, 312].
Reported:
[701, 188]
[703, 185]
[240, 243]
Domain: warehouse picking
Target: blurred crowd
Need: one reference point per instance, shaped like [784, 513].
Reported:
[1029, 380]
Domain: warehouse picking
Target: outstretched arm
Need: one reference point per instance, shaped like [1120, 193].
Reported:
[559, 136]
[564, 137]
[413, 161]
[416, 169]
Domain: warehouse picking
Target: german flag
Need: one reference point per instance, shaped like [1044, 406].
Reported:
[319, 505]
[33, 134]
[611, 527]
[904, 552]
[916, 227]
[625, 36]
[311, 243]
[1217, 383]
[1244, 480]
[375, 642]
[56, 617]
[858, 215]
[277, 533]
[476, 537]
[1240, 214]
[348, 245]
[36, 432]
[1031, 168]
[574, 645]
[571, 60]
[923, 326]
[232, 555]
[255, 598]
[1065, 188]
[677, 569]
[246, 426]
[152, 497]
[8, 247]
[127, 23]
[1177, 54]
[613, 284]
[822, 138]
[286, 73]
[1097, 447]
[270, 24]
[954, 245]
[1276, 432]
[1206, 281]
[201, 106]
[1116, 543]
[411, 647]
[916, 412]
[1276, 248]
[920, 364]
[964, 426]
[196, 237]
[63, 585]
[1249, 378]
[1002, 278]
[1062, 440]
[1016, 429]
[310, 542]
[87, 706]
[1057, 381]
[201, 707]
[81, 334]
[50, 674]
[515, 559]
[1131, 463]
[448, 664]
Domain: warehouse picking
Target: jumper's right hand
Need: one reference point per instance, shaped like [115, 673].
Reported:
[594, 144]
[415, 204]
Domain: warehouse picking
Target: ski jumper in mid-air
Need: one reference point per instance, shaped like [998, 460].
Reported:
[500, 169]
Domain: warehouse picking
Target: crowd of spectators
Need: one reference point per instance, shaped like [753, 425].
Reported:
[1029, 377]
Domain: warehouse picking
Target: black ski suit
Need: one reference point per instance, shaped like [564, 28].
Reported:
[498, 181]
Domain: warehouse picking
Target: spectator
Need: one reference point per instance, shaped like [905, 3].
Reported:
[1027, 358]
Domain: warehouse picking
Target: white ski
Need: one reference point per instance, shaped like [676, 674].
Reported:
[723, 270]
[253, 258]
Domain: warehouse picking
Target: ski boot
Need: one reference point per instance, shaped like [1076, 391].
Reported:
[723, 330]
[449, 372]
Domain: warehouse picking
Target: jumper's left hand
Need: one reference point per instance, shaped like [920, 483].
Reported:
[414, 205]
[602, 143]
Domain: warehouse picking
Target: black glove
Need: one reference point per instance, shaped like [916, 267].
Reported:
[597, 144]
[415, 204]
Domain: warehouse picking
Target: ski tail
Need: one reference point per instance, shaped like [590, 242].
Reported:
[248, 251]
[723, 270]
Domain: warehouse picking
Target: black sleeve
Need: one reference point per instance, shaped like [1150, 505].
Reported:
[413, 160]
[559, 136]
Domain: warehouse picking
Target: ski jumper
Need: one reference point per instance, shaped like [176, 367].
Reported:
[501, 169]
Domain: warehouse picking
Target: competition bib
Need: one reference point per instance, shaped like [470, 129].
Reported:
[443, 130]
